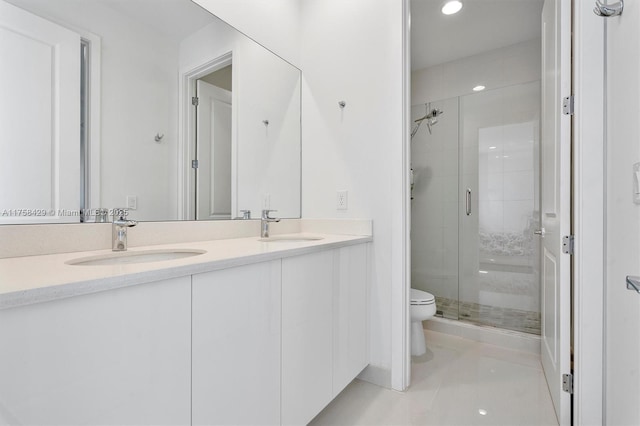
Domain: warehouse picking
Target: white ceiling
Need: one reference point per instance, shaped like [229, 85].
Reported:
[480, 26]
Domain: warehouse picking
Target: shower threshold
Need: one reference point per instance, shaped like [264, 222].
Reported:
[494, 316]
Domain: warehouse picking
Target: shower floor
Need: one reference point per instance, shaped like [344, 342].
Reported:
[510, 319]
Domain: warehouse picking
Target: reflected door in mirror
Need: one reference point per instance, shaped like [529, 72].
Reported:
[39, 118]
[213, 147]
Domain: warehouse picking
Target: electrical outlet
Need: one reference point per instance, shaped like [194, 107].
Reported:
[342, 200]
[132, 202]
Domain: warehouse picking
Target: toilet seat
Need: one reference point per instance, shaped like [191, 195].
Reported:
[419, 297]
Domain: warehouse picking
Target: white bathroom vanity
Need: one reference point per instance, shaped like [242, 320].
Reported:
[246, 332]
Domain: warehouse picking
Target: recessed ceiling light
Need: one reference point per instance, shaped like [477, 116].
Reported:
[482, 412]
[492, 147]
[479, 88]
[452, 7]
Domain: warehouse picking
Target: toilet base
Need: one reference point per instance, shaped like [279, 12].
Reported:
[418, 345]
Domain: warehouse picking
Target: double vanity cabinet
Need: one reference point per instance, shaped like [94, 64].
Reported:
[266, 342]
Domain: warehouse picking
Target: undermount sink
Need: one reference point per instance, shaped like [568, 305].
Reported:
[289, 239]
[131, 257]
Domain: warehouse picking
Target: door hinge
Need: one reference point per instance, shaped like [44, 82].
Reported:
[567, 105]
[567, 244]
[195, 101]
[567, 383]
[194, 164]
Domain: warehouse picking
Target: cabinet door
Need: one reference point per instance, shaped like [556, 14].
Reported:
[307, 283]
[115, 357]
[236, 345]
[350, 345]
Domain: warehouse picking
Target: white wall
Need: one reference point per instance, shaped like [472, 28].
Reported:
[264, 88]
[273, 23]
[622, 307]
[352, 52]
[515, 64]
[139, 100]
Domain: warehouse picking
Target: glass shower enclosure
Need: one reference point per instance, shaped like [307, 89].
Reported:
[475, 205]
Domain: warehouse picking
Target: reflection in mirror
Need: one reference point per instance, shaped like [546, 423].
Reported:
[153, 105]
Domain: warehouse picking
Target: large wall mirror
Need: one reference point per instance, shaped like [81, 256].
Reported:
[156, 106]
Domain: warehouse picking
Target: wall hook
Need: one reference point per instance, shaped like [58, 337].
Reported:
[266, 122]
[159, 137]
[342, 104]
[607, 11]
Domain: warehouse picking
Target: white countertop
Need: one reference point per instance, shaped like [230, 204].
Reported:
[35, 279]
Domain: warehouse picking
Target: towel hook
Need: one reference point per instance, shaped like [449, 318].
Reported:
[633, 283]
[608, 10]
[158, 137]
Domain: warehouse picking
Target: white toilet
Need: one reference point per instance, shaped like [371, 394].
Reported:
[423, 307]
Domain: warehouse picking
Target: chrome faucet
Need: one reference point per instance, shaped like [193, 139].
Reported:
[264, 223]
[119, 229]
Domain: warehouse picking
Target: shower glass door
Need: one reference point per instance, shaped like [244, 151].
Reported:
[434, 205]
[499, 194]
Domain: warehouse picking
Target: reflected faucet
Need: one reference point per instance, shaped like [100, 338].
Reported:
[119, 229]
[264, 223]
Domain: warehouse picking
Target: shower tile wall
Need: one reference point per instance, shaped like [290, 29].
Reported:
[434, 229]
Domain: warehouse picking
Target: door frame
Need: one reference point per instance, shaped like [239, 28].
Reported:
[187, 133]
[588, 217]
[401, 259]
[588, 175]
[94, 131]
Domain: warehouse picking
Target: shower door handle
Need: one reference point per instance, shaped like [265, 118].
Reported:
[467, 199]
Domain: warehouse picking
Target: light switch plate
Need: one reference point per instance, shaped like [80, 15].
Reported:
[132, 202]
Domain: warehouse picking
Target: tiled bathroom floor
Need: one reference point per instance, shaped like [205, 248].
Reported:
[457, 382]
[510, 319]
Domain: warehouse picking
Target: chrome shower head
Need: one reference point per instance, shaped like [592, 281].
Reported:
[431, 117]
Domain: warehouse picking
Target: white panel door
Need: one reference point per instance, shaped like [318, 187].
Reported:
[118, 357]
[236, 346]
[622, 225]
[307, 283]
[350, 349]
[39, 119]
[555, 202]
[213, 177]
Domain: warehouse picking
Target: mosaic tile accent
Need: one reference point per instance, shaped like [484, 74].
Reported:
[510, 319]
[506, 243]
